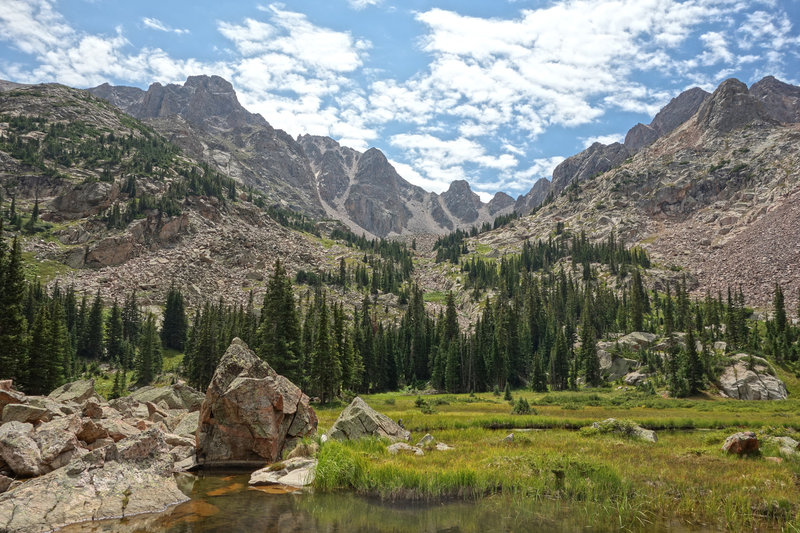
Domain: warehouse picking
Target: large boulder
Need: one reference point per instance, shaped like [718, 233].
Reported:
[614, 367]
[123, 479]
[76, 391]
[741, 443]
[250, 413]
[178, 396]
[625, 428]
[294, 472]
[637, 340]
[360, 420]
[21, 412]
[19, 450]
[58, 443]
[748, 378]
[188, 425]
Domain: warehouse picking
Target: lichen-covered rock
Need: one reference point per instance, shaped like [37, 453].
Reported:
[747, 378]
[250, 413]
[360, 420]
[76, 391]
[741, 443]
[19, 450]
[123, 479]
[398, 447]
[625, 428]
[23, 413]
[188, 424]
[178, 396]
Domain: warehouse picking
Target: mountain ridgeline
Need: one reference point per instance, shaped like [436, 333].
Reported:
[311, 175]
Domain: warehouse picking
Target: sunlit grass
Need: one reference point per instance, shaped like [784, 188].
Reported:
[624, 483]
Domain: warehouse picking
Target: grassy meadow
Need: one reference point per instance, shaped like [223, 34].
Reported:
[618, 483]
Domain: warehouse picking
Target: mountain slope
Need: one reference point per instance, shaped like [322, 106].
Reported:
[716, 196]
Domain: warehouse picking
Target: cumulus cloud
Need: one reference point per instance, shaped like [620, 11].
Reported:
[603, 139]
[361, 4]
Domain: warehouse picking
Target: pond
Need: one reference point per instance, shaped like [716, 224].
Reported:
[224, 502]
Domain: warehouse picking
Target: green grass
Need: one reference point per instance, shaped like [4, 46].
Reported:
[622, 483]
[45, 269]
[435, 297]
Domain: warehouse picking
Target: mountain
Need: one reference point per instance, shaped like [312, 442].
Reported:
[203, 116]
[365, 191]
[716, 198]
[312, 175]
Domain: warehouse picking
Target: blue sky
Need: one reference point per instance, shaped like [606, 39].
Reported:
[494, 92]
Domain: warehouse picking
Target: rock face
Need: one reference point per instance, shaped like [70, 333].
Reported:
[76, 391]
[534, 198]
[134, 476]
[596, 159]
[359, 420]
[250, 413]
[731, 106]
[781, 100]
[178, 396]
[742, 443]
[676, 112]
[742, 380]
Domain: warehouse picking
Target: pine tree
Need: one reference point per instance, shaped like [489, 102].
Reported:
[559, 365]
[114, 336]
[694, 365]
[38, 353]
[175, 325]
[327, 370]
[13, 326]
[779, 310]
[637, 302]
[92, 335]
[279, 333]
[453, 368]
[149, 358]
[131, 319]
[59, 361]
[538, 375]
[669, 313]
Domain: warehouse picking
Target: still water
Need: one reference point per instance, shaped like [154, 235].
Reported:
[225, 503]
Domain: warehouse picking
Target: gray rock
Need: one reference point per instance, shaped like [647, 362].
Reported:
[359, 420]
[614, 367]
[740, 382]
[10, 396]
[123, 479]
[178, 396]
[130, 407]
[398, 447]
[5, 483]
[295, 472]
[77, 391]
[635, 378]
[23, 413]
[57, 442]
[187, 427]
[509, 438]
[637, 340]
[626, 429]
[428, 438]
[19, 450]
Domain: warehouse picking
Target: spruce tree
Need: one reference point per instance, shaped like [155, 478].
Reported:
[538, 375]
[13, 326]
[279, 333]
[326, 368]
[131, 319]
[59, 361]
[637, 302]
[559, 364]
[694, 365]
[114, 336]
[149, 358]
[92, 335]
[175, 325]
[38, 353]
[453, 368]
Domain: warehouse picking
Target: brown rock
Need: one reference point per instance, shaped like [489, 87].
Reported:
[741, 443]
[250, 413]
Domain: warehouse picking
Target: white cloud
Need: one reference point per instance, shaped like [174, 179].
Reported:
[358, 5]
[155, 24]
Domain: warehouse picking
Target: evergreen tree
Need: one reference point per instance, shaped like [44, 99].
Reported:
[538, 375]
[637, 302]
[779, 310]
[59, 362]
[279, 332]
[91, 342]
[13, 326]
[453, 368]
[38, 353]
[131, 319]
[114, 335]
[175, 325]
[559, 365]
[694, 365]
[327, 370]
[149, 357]
[669, 313]
[591, 361]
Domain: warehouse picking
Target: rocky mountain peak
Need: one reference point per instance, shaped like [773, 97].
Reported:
[461, 201]
[676, 112]
[731, 106]
[499, 202]
[781, 100]
[596, 159]
[534, 198]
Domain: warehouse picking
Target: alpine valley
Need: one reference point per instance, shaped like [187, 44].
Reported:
[184, 286]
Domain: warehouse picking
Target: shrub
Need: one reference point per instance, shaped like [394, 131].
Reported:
[521, 407]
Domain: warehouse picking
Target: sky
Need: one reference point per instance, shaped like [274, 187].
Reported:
[497, 92]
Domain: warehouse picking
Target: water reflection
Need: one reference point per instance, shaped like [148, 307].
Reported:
[226, 503]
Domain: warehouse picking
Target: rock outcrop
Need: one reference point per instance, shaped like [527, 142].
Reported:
[295, 472]
[625, 428]
[359, 420]
[131, 477]
[748, 378]
[596, 159]
[676, 112]
[250, 413]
